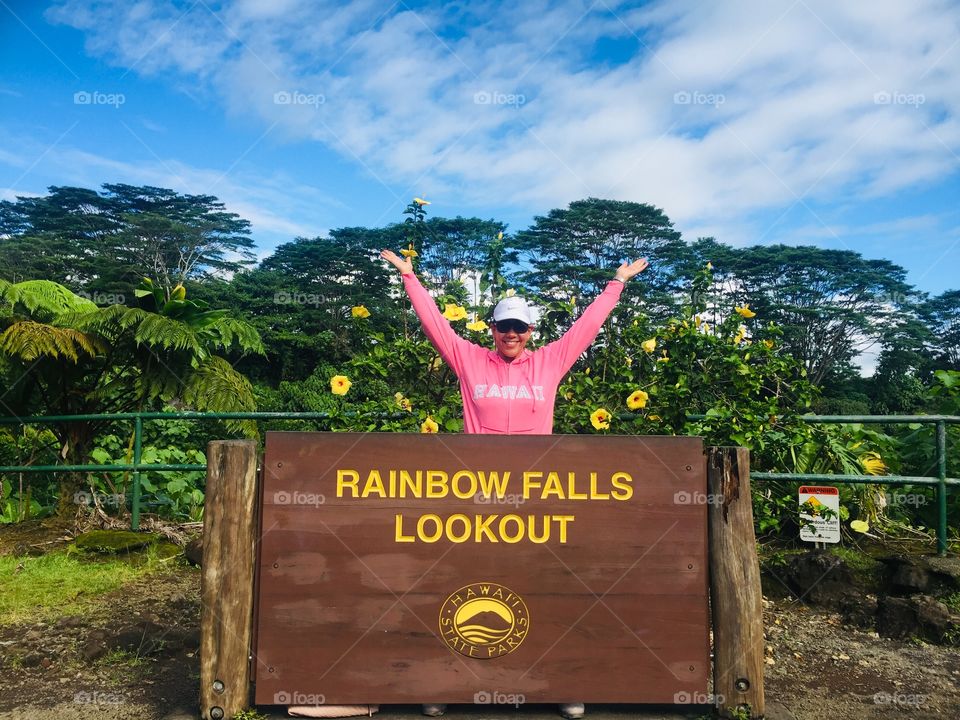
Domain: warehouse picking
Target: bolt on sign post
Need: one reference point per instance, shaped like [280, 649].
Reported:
[399, 568]
[819, 514]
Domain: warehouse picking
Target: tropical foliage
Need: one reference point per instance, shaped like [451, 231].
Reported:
[734, 344]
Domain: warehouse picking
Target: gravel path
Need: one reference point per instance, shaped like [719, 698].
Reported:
[817, 669]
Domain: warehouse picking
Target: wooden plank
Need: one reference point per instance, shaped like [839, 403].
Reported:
[735, 595]
[227, 577]
[617, 609]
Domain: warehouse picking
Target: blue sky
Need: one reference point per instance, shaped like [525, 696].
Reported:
[833, 123]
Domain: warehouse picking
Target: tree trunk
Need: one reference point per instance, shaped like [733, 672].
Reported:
[76, 437]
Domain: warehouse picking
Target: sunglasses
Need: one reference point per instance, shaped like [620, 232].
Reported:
[517, 326]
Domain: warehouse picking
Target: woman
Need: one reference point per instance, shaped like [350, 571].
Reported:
[510, 390]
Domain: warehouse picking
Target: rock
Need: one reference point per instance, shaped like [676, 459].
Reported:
[113, 541]
[168, 550]
[93, 649]
[70, 621]
[934, 617]
[896, 618]
[859, 611]
[182, 639]
[947, 570]
[194, 551]
[909, 577]
[778, 711]
[31, 659]
[46, 662]
[820, 578]
[917, 616]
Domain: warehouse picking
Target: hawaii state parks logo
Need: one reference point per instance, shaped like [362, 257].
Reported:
[484, 620]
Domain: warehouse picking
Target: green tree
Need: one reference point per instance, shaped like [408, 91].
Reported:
[60, 237]
[105, 242]
[570, 252]
[831, 304]
[941, 316]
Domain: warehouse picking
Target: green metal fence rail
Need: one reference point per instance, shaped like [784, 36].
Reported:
[940, 481]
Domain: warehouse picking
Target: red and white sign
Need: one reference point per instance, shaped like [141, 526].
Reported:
[819, 514]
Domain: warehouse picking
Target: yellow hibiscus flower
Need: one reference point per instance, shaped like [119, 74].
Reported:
[421, 201]
[744, 311]
[478, 325]
[600, 419]
[429, 426]
[499, 236]
[340, 384]
[873, 464]
[410, 252]
[741, 334]
[649, 345]
[637, 400]
[359, 311]
[402, 402]
[768, 344]
[452, 311]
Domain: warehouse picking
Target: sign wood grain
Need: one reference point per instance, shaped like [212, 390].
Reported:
[383, 579]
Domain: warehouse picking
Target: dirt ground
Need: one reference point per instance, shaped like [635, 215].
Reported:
[816, 667]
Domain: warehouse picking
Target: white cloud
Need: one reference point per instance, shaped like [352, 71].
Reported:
[777, 102]
[269, 202]
[11, 194]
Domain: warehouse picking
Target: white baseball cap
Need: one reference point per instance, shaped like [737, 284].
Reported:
[513, 308]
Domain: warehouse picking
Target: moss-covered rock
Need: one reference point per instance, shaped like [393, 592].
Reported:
[166, 550]
[113, 541]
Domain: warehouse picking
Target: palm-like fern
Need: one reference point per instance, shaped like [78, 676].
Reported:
[42, 299]
[29, 340]
[82, 358]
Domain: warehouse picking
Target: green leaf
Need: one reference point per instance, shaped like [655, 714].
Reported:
[101, 456]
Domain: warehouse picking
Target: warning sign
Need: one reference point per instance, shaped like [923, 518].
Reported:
[819, 514]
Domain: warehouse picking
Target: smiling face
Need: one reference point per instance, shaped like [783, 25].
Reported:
[511, 343]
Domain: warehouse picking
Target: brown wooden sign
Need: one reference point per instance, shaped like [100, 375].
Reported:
[399, 568]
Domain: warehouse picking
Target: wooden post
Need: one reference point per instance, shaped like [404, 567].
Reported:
[229, 540]
[735, 595]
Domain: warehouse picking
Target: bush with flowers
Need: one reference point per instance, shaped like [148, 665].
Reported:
[711, 370]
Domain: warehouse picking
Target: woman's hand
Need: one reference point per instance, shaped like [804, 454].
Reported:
[404, 265]
[627, 271]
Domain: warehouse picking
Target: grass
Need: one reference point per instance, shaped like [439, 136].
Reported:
[60, 583]
[123, 659]
[249, 714]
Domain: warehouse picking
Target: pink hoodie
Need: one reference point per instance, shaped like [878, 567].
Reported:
[514, 398]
